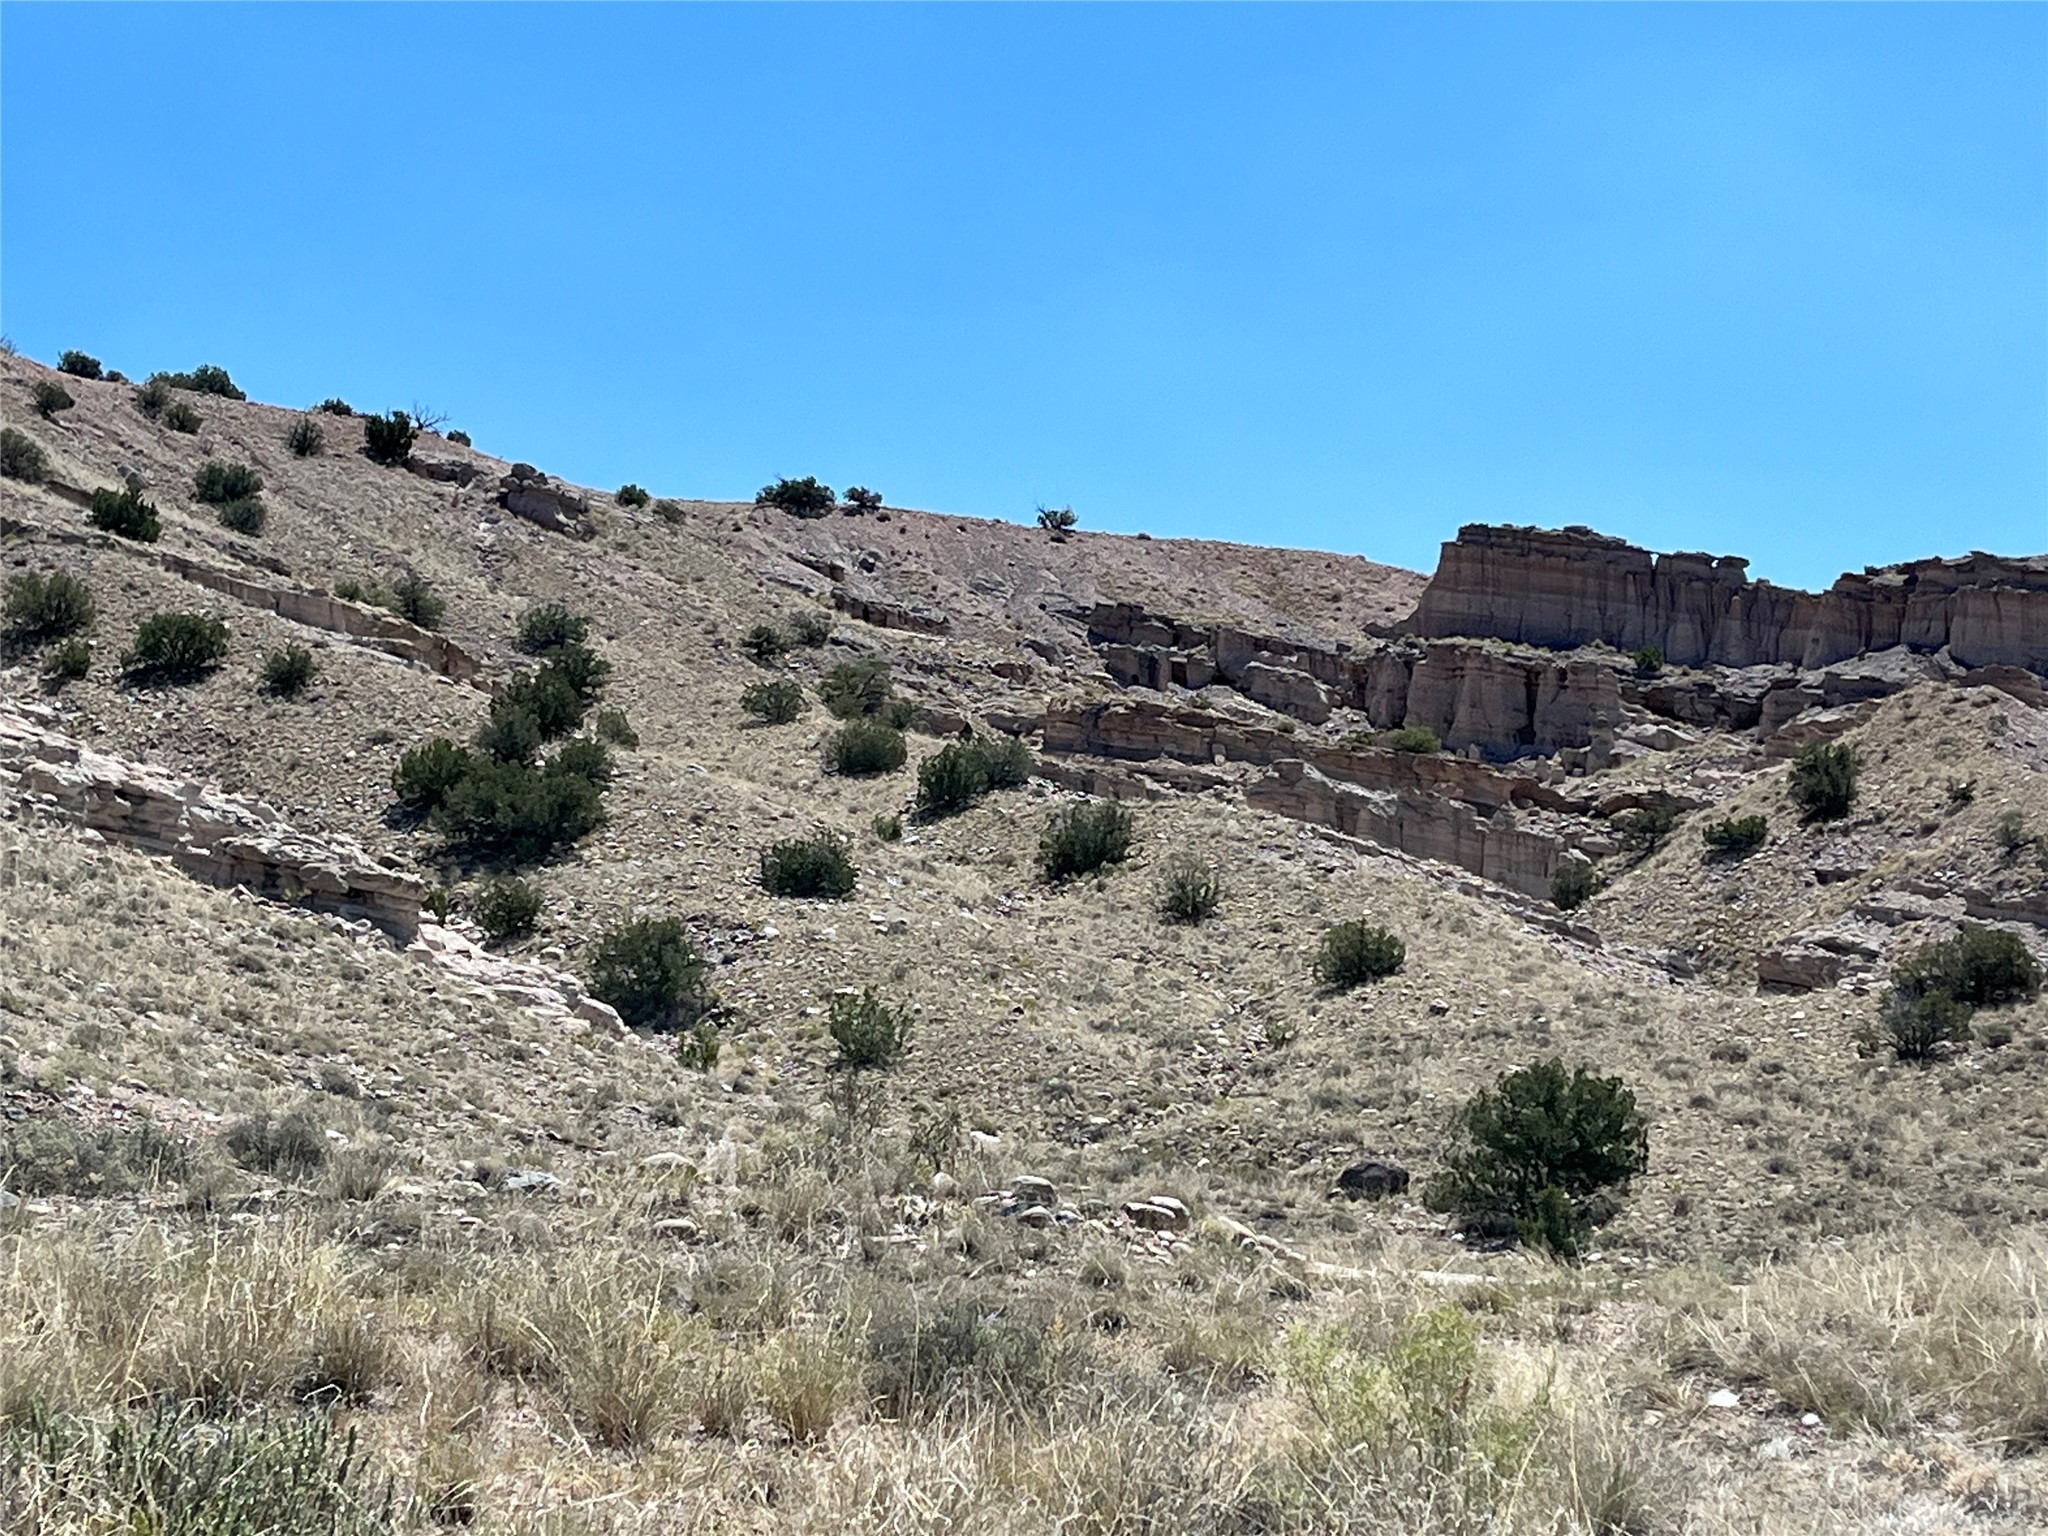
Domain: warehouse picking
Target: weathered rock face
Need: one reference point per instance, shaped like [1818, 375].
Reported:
[525, 492]
[222, 839]
[887, 615]
[1565, 588]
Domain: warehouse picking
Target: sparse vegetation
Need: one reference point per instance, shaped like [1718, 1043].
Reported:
[289, 670]
[854, 688]
[413, 599]
[2012, 834]
[1412, 738]
[1960, 793]
[859, 500]
[863, 748]
[773, 703]
[1979, 966]
[247, 516]
[40, 608]
[506, 908]
[1538, 1153]
[820, 865]
[206, 379]
[68, 662]
[180, 416]
[868, 1031]
[1649, 661]
[49, 398]
[388, 439]
[22, 458]
[1190, 890]
[333, 406]
[765, 643]
[611, 725]
[218, 484]
[428, 772]
[1824, 780]
[807, 497]
[457, 435]
[631, 495]
[1084, 838]
[547, 628]
[1355, 952]
[305, 439]
[80, 365]
[1573, 883]
[951, 780]
[1057, 521]
[152, 397]
[1734, 836]
[1641, 832]
[888, 827]
[175, 648]
[808, 627]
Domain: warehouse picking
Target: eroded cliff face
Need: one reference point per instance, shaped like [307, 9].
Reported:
[1564, 588]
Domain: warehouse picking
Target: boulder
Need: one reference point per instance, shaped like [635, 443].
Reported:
[1371, 1180]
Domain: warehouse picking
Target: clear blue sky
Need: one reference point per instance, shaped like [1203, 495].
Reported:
[1768, 280]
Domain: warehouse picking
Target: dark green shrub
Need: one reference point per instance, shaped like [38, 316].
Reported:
[152, 397]
[1412, 738]
[650, 972]
[388, 439]
[335, 407]
[670, 512]
[1649, 661]
[506, 908]
[1980, 967]
[807, 497]
[289, 1144]
[1572, 884]
[612, 725]
[125, 514]
[1917, 1025]
[950, 780]
[179, 416]
[246, 517]
[80, 365]
[288, 671]
[775, 703]
[765, 643]
[41, 608]
[860, 499]
[206, 379]
[175, 648]
[868, 1032]
[1008, 761]
[351, 590]
[632, 496]
[862, 748]
[579, 669]
[809, 627]
[1190, 890]
[2012, 834]
[542, 697]
[49, 398]
[1084, 838]
[550, 627]
[1537, 1153]
[819, 865]
[1733, 837]
[305, 438]
[888, 827]
[898, 714]
[67, 662]
[1356, 952]
[511, 734]
[426, 774]
[217, 484]
[459, 436]
[413, 599]
[1824, 780]
[854, 688]
[1057, 521]
[22, 458]
[586, 758]
[515, 811]
[1642, 832]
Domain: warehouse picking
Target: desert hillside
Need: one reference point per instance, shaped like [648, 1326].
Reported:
[302, 1144]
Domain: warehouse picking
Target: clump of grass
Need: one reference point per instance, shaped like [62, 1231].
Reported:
[180, 416]
[888, 827]
[305, 439]
[1084, 838]
[291, 1144]
[820, 865]
[611, 725]
[289, 670]
[773, 703]
[68, 662]
[868, 1031]
[1355, 952]
[506, 908]
[1734, 836]
[1190, 890]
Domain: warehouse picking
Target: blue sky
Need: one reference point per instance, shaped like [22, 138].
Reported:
[1768, 280]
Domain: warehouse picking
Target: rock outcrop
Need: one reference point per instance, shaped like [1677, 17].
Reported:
[526, 492]
[1565, 588]
[223, 839]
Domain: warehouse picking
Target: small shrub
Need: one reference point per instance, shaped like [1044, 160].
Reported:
[854, 688]
[388, 439]
[584, 757]
[288, 671]
[898, 714]
[632, 496]
[549, 627]
[1057, 521]
[1649, 661]
[650, 972]
[333, 406]
[1190, 890]
[49, 398]
[868, 1032]
[305, 438]
[1356, 952]
[1412, 738]
[820, 865]
[175, 648]
[1536, 1153]
[179, 416]
[860, 499]
[1980, 967]
[808, 497]
[152, 397]
[1008, 761]
[289, 1144]
[1084, 838]
[80, 365]
[511, 734]
[808, 627]
[1918, 1025]
[125, 514]
[206, 379]
[413, 599]
[775, 703]
[928, 1357]
[247, 517]
[670, 512]
[1734, 836]
[2012, 834]
[41, 608]
[22, 458]
[698, 1046]
[67, 662]
[1642, 832]
[765, 643]
[425, 775]
[888, 827]
[611, 725]
[1824, 780]
[506, 909]
[1961, 792]
[517, 811]
[350, 590]
[950, 780]
[217, 484]
[1572, 884]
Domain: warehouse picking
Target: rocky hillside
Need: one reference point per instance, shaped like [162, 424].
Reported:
[219, 928]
